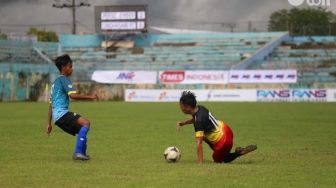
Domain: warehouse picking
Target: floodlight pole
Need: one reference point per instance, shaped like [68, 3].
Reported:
[73, 6]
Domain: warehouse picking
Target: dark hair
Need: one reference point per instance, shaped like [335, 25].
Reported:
[188, 98]
[61, 61]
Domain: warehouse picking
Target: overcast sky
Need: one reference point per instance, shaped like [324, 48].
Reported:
[187, 14]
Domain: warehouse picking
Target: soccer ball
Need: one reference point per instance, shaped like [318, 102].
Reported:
[172, 154]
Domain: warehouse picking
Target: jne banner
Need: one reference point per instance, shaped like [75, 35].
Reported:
[125, 77]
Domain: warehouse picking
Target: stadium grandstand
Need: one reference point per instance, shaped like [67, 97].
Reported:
[26, 67]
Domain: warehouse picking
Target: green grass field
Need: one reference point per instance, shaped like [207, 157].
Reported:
[296, 146]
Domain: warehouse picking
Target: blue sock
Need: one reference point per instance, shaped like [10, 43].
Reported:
[81, 140]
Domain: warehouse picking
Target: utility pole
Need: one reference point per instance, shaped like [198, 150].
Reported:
[232, 26]
[249, 26]
[73, 7]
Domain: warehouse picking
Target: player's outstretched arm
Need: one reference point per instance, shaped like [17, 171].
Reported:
[179, 124]
[199, 149]
[49, 126]
[83, 97]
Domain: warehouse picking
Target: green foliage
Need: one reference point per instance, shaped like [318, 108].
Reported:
[3, 36]
[296, 146]
[42, 35]
[306, 21]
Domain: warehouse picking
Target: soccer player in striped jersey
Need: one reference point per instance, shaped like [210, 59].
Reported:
[217, 134]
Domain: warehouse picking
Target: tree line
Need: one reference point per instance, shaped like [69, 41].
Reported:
[304, 22]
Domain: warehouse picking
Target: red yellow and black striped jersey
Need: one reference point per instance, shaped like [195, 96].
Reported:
[207, 126]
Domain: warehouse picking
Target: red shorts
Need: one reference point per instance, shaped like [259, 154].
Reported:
[223, 147]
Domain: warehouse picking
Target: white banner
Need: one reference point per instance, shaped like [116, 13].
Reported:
[263, 76]
[152, 95]
[292, 95]
[138, 95]
[193, 77]
[125, 77]
[232, 95]
[331, 94]
[238, 95]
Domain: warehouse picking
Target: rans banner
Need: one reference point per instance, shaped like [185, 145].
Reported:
[293, 95]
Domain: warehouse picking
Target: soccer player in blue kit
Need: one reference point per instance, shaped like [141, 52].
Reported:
[70, 122]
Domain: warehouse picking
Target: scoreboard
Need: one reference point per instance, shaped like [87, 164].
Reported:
[121, 18]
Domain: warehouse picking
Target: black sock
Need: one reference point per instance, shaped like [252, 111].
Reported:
[231, 156]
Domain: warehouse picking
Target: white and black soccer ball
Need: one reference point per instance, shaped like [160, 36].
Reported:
[172, 154]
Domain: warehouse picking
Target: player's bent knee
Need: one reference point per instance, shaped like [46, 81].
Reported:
[87, 123]
[217, 159]
[84, 122]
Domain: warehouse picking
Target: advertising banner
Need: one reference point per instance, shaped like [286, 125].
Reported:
[125, 77]
[263, 76]
[331, 93]
[292, 95]
[309, 95]
[193, 77]
[148, 95]
[232, 95]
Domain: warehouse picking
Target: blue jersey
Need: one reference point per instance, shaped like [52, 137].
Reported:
[59, 96]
